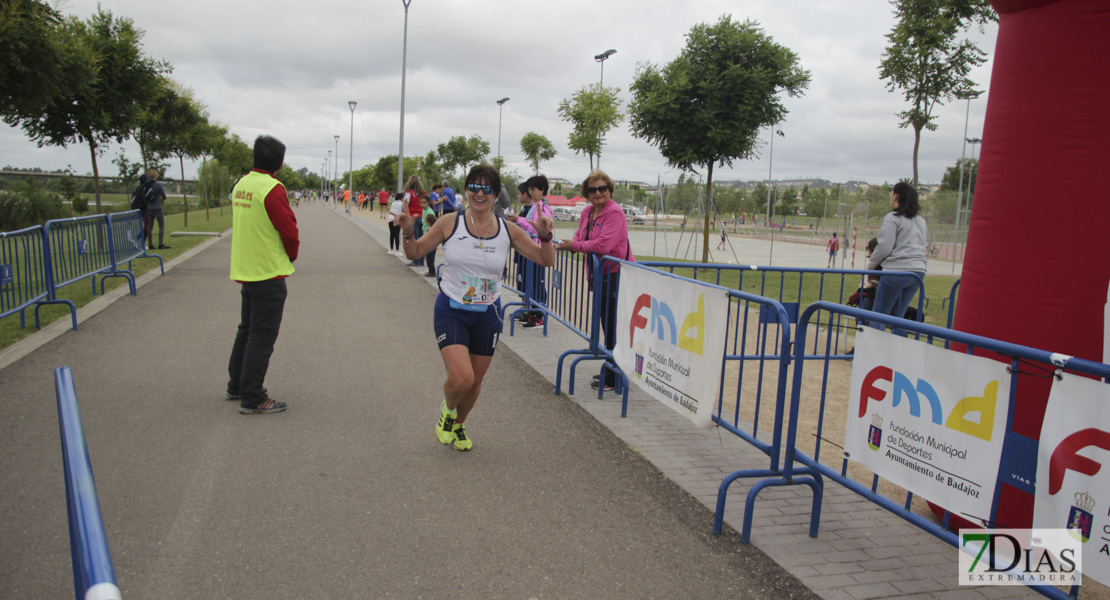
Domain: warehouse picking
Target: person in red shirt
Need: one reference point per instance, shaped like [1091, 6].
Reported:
[383, 202]
[261, 273]
[414, 191]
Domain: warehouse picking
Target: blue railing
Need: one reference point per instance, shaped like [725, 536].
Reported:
[23, 277]
[800, 462]
[129, 243]
[93, 573]
[794, 288]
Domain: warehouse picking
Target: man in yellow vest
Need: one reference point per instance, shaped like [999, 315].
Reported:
[264, 244]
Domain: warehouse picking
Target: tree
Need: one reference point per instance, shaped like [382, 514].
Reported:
[593, 110]
[106, 84]
[183, 130]
[536, 149]
[234, 154]
[461, 152]
[951, 180]
[707, 106]
[926, 62]
[29, 58]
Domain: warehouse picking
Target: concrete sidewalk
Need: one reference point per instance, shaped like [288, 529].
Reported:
[347, 494]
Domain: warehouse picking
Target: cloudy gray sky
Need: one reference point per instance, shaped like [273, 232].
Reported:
[289, 68]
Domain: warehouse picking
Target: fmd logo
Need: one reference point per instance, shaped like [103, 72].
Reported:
[1020, 557]
[903, 389]
[662, 323]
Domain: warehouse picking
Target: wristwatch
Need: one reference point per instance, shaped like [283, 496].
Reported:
[550, 236]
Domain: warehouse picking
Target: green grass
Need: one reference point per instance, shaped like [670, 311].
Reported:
[80, 293]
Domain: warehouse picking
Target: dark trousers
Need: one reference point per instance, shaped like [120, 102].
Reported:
[609, 287]
[263, 305]
[155, 214]
[394, 237]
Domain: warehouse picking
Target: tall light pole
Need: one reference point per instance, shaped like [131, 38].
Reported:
[960, 194]
[601, 58]
[500, 108]
[770, 165]
[335, 165]
[404, 61]
[327, 172]
[351, 163]
[974, 142]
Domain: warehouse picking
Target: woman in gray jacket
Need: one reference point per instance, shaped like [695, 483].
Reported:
[901, 247]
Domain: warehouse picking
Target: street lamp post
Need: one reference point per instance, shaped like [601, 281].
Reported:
[500, 108]
[601, 58]
[351, 158]
[335, 166]
[327, 172]
[770, 165]
[960, 194]
[970, 194]
[404, 61]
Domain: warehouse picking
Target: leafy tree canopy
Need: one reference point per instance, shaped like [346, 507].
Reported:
[536, 149]
[460, 152]
[927, 61]
[593, 110]
[29, 61]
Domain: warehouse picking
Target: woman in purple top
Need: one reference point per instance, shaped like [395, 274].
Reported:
[603, 230]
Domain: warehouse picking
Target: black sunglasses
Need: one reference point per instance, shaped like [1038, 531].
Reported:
[601, 189]
[475, 188]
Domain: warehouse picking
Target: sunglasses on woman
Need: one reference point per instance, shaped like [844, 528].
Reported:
[601, 189]
[475, 188]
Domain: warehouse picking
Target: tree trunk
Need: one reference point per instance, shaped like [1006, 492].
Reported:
[591, 161]
[916, 147]
[184, 198]
[96, 173]
[708, 203]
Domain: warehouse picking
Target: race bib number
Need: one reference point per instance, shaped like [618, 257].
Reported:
[479, 290]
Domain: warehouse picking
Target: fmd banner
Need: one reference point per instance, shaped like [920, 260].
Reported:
[671, 339]
[1073, 488]
[928, 419]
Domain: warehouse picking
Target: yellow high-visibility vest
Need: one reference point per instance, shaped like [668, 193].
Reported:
[257, 253]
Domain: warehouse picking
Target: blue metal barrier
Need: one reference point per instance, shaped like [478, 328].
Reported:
[76, 249]
[128, 243]
[24, 280]
[93, 573]
[803, 463]
[794, 288]
[950, 302]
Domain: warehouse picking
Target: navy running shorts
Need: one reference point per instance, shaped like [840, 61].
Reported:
[478, 331]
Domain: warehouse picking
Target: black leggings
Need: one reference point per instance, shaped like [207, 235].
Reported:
[394, 237]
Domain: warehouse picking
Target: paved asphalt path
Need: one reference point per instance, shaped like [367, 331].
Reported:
[347, 494]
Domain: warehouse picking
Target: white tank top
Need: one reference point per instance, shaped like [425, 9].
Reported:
[472, 273]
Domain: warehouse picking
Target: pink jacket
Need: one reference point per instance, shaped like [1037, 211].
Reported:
[606, 235]
[540, 209]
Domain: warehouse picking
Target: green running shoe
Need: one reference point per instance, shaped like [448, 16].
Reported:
[445, 429]
[462, 443]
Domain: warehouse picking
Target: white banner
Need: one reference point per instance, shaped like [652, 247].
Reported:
[1073, 490]
[928, 419]
[676, 340]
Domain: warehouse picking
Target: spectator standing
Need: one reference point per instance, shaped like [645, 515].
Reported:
[531, 277]
[264, 243]
[436, 201]
[154, 212]
[901, 247]
[414, 191]
[832, 247]
[383, 203]
[603, 230]
[396, 209]
[468, 312]
[450, 203]
[429, 218]
[139, 203]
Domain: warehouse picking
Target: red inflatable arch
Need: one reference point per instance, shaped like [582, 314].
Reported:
[1038, 257]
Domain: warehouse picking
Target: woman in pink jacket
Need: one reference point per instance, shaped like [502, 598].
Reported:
[602, 230]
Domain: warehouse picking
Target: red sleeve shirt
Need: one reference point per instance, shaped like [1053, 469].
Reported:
[415, 210]
[283, 219]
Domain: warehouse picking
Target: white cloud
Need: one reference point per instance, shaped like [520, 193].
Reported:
[290, 69]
